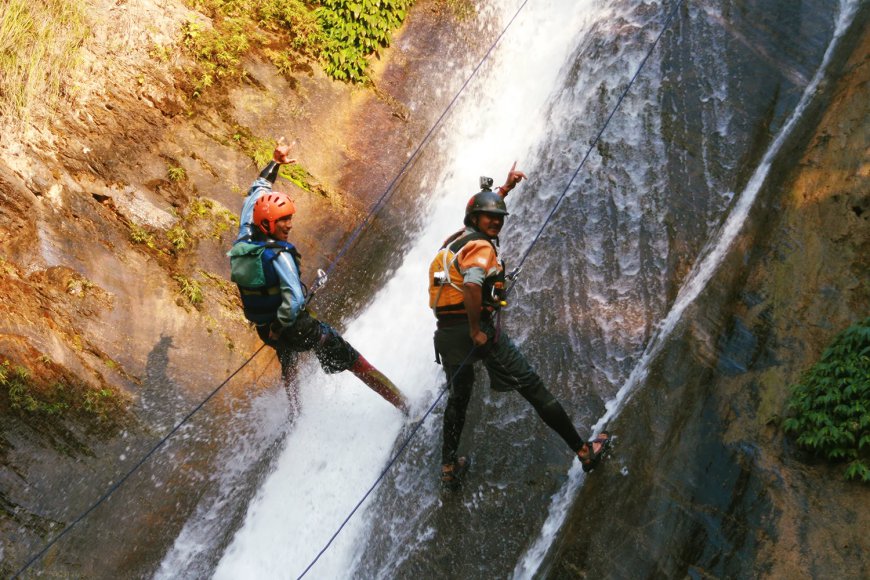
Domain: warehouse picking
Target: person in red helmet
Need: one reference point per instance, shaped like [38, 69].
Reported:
[266, 268]
[466, 291]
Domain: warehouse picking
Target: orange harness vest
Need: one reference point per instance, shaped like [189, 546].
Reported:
[446, 279]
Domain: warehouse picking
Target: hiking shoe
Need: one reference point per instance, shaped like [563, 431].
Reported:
[452, 474]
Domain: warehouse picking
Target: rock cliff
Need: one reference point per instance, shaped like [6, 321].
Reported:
[711, 487]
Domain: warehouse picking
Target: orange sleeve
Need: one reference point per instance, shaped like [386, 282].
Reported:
[477, 254]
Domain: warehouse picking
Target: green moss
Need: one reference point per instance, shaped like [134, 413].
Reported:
[59, 399]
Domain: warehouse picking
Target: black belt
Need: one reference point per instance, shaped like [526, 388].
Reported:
[449, 320]
[260, 291]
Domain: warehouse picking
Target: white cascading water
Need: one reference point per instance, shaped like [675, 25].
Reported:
[339, 444]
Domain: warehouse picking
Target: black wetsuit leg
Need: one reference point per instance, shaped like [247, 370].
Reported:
[553, 414]
[457, 407]
[509, 370]
[307, 333]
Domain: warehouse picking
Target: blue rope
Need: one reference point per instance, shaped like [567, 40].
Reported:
[135, 468]
[388, 192]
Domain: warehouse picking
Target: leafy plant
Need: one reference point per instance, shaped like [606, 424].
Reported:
[178, 237]
[831, 404]
[176, 173]
[217, 51]
[100, 402]
[190, 289]
[340, 34]
[138, 235]
[354, 30]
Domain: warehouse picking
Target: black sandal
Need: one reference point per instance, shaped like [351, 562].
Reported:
[591, 460]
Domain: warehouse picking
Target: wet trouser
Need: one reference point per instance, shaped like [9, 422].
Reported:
[307, 333]
[508, 370]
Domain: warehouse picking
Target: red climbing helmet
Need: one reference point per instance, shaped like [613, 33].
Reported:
[271, 207]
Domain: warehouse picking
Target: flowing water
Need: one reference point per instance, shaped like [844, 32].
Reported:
[607, 280]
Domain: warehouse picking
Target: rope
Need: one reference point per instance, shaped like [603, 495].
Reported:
[391, 188]
[135, 468]
[444, 389]
[390, 464]
[376, 208]
[598, 136]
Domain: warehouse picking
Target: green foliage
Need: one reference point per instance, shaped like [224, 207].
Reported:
[176, 173]
[340, 34]
[57, 399]
[190, 289]
[238, 26]
[220, 218]
[139, 235]
[178, 237]
[831, 404]
[354, 30]
[39, 43]
[100, 402]
[217, 50]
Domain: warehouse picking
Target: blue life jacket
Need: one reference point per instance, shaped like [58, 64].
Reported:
[253, 270]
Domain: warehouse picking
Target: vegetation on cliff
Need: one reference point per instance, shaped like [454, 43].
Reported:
[831, 403]
[340, 34]
[38, 42]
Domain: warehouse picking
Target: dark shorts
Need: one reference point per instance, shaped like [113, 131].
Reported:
[507, 367]
[307, 333]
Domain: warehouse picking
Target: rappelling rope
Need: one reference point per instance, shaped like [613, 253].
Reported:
[375, 209]
[390, 463]
[446, 387]
[594, 142]
[135, 468]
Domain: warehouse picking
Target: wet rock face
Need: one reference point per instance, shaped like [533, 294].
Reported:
[711, 486]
